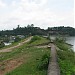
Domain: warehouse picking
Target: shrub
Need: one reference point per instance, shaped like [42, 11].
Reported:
[43, 64]
[35, 38]
[17, 39]
[8, 73]
[2, 67]
[60, 39]
[66, 62]
[2, 44]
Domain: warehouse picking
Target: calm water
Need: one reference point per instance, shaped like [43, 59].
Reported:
[71, 40]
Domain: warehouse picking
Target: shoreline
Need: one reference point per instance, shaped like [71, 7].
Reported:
[69, 44]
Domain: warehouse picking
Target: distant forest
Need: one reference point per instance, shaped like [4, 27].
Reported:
[31, 30]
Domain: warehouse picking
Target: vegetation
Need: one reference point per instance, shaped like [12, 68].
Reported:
[34, 41]
[69, 31]
[43, 64]
[1, 44]
[66, 58]
[33, 58]
[6, 39]
[35, 38]
[17, 39]
[31, 30]
[14, 43]
[36, 60]
[30, 65]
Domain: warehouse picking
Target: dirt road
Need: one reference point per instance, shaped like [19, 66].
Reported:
[10, 49]
[53, 68]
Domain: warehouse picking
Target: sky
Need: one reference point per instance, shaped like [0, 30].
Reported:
[41, 13]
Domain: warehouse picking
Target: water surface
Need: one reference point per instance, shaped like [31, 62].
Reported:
[71, 40]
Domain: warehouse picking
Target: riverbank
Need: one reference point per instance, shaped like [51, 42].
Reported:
[66, 58]
[69, 39]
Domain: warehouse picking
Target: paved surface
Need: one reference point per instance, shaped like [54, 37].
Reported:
[53, 68]
[10, 49]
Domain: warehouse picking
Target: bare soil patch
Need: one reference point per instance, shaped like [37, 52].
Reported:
[9, 65]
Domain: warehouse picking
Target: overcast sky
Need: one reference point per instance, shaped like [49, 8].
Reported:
[41, 13]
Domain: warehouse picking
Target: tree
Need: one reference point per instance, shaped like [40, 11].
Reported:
[28, 26]
[17, 39]
[32, 25]
[18, 26]
[2, 44]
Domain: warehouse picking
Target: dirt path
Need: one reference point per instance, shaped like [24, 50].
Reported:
[10, 49]
[53, 68]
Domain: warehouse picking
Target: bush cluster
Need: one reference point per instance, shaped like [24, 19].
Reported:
[66, 59]
[35, 38]
[2, 44]
[17, 39]
[43, 64]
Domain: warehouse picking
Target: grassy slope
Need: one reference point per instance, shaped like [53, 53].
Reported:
[40, 42]
[29, 67]
[66, 58]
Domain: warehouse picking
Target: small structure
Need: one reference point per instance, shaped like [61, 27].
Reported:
[12, 38]
[21, 36]
[6, 44]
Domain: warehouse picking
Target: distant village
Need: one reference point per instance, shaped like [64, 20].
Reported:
[8, 37]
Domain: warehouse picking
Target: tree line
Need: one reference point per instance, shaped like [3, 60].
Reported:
[31, 30]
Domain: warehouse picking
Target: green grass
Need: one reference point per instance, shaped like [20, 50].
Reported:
[32, 58]
[66, 59]
[18, 51]
[34, 41]
[31, 67]
[67, 65]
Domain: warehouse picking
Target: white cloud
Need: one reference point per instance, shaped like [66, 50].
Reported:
[2, 4]
[34, 11]
[13, 3]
